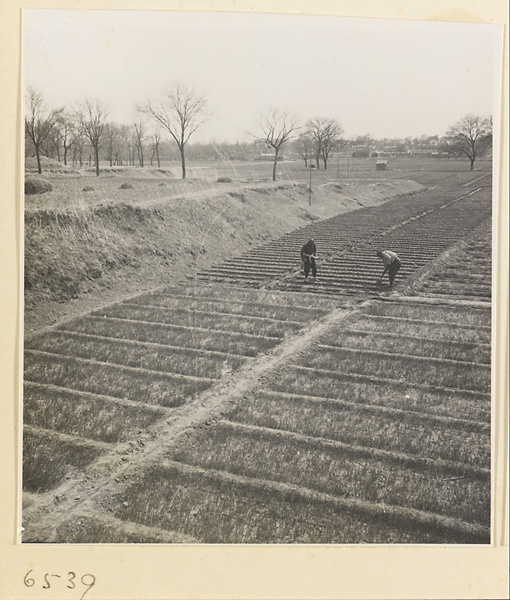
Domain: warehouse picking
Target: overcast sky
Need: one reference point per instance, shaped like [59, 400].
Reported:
[386, 78]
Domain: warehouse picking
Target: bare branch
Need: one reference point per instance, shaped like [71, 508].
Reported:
[180, 111]
[39, 120]
[469, 133]
[278, 126]
[92, 117]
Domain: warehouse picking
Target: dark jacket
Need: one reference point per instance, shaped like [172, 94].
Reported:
[308, 248]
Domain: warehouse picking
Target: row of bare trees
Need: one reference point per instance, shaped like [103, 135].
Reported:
[62, 130]
[61, 133]
[179, 112]
[320, 137]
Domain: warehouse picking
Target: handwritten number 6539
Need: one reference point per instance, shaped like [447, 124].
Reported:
[88, 580]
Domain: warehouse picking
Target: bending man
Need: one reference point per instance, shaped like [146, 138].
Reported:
[308, 255]
[391, 264]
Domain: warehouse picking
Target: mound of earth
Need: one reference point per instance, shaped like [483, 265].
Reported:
[37, 185]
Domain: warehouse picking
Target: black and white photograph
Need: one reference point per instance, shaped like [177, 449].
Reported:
[258, 279]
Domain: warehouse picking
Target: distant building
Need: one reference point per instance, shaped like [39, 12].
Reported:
[381, 165]
[361, 151]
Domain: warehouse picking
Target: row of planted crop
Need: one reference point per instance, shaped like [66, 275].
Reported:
[469, 274]
[361, 225]
[417, 241]
[103, 379]
[360, 436]
[220, 507]
[392, 430]
[340, 469]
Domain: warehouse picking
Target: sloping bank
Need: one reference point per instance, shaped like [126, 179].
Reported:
[76, 260]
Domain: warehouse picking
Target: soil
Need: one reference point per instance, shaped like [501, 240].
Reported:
[101, 485]
[80, 257]
[87, 249]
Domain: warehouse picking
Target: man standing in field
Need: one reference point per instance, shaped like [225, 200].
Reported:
[391, 264]
[308, 256]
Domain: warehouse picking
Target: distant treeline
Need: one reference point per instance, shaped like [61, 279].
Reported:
[161, 131]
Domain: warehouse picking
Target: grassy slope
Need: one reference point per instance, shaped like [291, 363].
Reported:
[83, 249]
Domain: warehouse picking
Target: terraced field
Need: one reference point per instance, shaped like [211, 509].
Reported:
[417, 228]
[468, 275]
[250, 413]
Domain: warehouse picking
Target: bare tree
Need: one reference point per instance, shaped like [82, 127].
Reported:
[305, 147]
[332, 139]
[122, 144]
[468, 134]
[180, 111]
[92, 118]
[314, 127]
[39, 121]
[64, 133]
[326, 134]
[55, 142]
[110, 141]
[156, 137]
[78, 145]
[278, 126]
[132, 149]
[139, 138]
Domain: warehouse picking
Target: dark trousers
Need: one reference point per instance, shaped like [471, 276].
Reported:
[309, 262]
[393, 270]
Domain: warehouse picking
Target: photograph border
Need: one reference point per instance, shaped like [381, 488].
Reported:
[227, 571]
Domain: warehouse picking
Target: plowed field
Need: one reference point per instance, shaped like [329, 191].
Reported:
[251, 407]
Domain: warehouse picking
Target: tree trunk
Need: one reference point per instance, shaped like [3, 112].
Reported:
[472, 160]
[38, 160]
[183, 162]
[96, 151]
[274, 164]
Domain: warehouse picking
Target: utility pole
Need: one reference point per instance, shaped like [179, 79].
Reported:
[310, 188]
